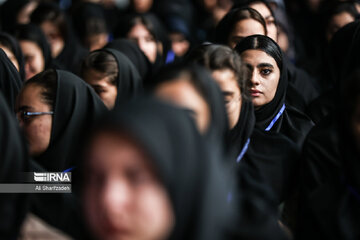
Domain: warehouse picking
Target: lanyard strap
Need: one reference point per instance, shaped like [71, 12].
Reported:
[276, 118]
[243, 151]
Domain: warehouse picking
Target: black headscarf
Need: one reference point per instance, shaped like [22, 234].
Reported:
[340, 47]
[76, 107]
[10, 82]
[14, 161]
[134, 53]
[9, 12]
[129, 83]
[73, 53]
[14, 47]
[290, 122]
[33, 33]
[210, 91]
[194, 179]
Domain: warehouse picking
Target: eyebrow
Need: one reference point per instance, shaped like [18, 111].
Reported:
[262, 65]
[24, 107]
[227, 93]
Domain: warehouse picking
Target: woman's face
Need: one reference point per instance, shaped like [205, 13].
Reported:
[227, 81]
[102, 86]
[243, 29]
[34, 58]
[11, 56]
[265, 76]
[54, 37]
[23, 16]
[338, 21]
[182, 93]
[269, 19]
[142, 6]
[37, 129]
[143, 38]
[124, 199]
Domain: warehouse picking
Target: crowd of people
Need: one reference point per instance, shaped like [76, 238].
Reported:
[182, 119]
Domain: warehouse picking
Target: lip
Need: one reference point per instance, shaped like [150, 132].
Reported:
[111, 229]
[255, 93]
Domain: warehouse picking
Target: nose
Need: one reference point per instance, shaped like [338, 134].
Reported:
[254, 79]
[116, 198]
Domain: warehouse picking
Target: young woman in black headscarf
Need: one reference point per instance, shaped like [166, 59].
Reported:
[340, 190]
[134, 53]
[16, 12]
[339, 50]
[172, 162]
[65, 49]
[12, 49]
[14, 162]
[269, 84]
[10, 81]
[149, 34]
[112, 75]
[250, 146]
[35, 48]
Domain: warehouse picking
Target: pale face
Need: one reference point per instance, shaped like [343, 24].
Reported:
[37, 129]
[227, 82]
[23, 16]
[179, 44]
[102, 86]
[11, 56]
[143, 38]
[243, 29]
[269, 19]
[338, 21]
[54, 37]
[123, 197]
[34, 58]
[97, 41]
[265, 76]
[184, 94]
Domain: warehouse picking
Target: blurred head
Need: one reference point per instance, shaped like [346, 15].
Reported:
[336, 16]
[9, 52]
[37, 96]
[142, 33]
[23, 15]
[141, 6]
[35, 49]
[124, 196]
[238, 24]
[263, 58]
[228, 72]
[52, 21]
[100, 71]
[180, 86]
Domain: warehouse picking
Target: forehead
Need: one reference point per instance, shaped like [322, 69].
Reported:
[262, 9]
[113, 151]
[247, 27]
[255, 57]
[94, 77]
[225, 78]
[139, 30]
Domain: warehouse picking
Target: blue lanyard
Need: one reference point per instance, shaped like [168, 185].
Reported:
[276, 118]
[243, 151]
[68, 170]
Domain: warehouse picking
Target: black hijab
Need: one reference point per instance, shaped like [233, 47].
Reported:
[10, 82]
[340, 48]
[9, 41]
[209, 90]
[277, 115]
[76, 107]
[194, 179]
[73, 53]
[9, 12]
[33, 33]
[14, 161]
[129, 83]
[134, 53]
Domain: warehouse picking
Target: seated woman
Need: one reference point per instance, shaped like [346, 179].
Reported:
[35, 48]
[274, 155]
[269, 83]
[12, 49]
[65, 50]
[112, 75]
[148, 162]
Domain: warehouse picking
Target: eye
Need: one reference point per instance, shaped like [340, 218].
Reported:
[266, 71]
